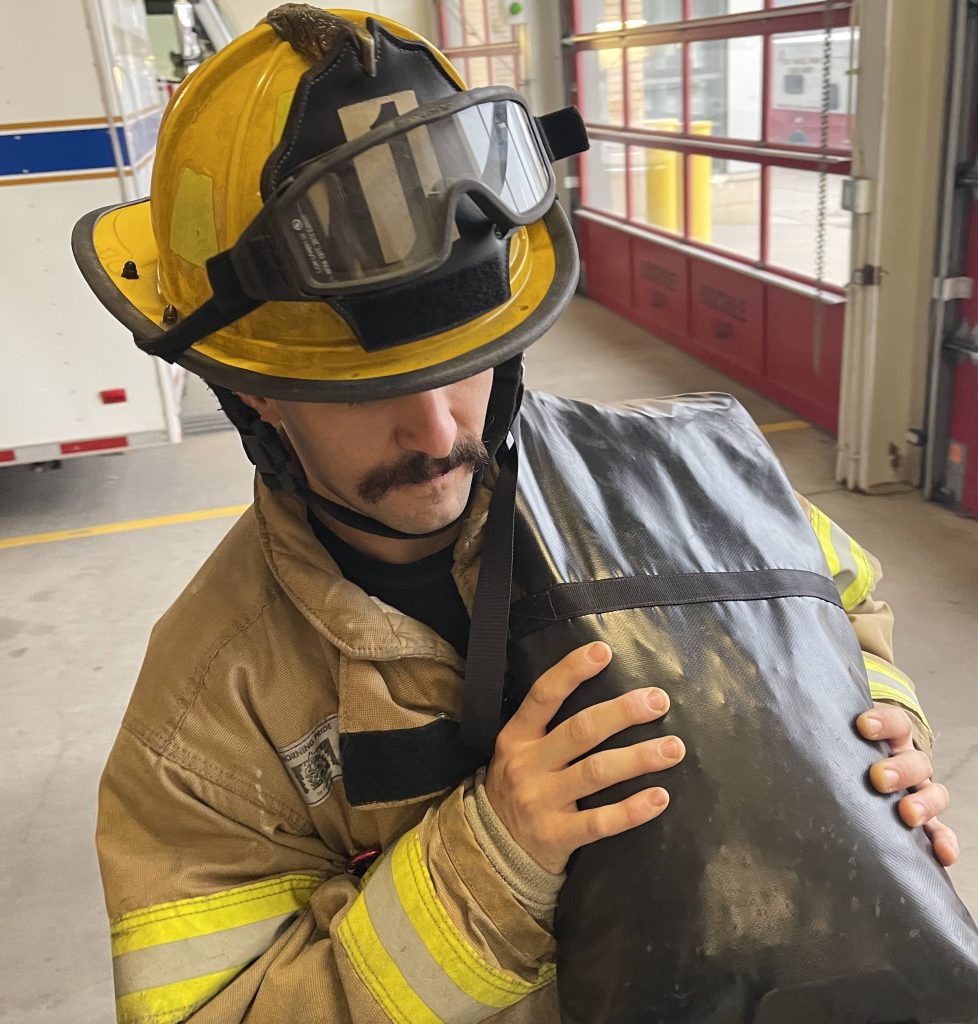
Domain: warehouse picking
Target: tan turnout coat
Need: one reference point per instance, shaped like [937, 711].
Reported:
[224, 828]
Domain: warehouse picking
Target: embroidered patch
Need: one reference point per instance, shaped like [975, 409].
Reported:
[314, 761]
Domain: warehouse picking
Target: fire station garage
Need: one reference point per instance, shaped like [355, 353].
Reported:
[778, 202]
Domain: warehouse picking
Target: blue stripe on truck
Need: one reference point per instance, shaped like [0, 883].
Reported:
[74, 149]
[79, 149]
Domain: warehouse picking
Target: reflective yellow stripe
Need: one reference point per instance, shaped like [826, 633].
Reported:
[861, 587]
[885, 680]
[204, 915]
[475, 976]
[847, 561]
[378, 971]
[171, 962]
[401, 940]
[169, 1004]
[171, 958]
[822, 526]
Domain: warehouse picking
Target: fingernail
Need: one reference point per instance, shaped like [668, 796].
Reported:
[874, 726]
[919, 811]
[670, 749]
[892, 778]
[598, 652]
[656, 700]
[658, 797]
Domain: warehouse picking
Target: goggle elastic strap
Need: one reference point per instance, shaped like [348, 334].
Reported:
[228, 304]
[563, 132]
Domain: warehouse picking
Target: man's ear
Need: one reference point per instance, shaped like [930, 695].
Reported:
[267, 408]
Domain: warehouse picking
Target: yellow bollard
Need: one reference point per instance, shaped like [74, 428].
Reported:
[700, 187]
[664, 182]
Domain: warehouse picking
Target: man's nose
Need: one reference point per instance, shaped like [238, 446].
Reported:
[426, 423]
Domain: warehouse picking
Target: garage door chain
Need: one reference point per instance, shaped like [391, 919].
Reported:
[823, 185]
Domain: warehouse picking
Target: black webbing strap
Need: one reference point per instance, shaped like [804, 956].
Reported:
[572, 600]
[485, 664]
[404, 764]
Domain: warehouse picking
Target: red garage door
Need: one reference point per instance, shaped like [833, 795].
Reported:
[710, 207]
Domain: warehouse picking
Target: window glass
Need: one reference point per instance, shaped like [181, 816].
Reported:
[658, 184]
[794, 214]
[604, 177]
[500, 30]
[453, 31]
[655, 87]
[465, 23]
[796, 88]
[725, 204]
[714, 8]
[598, 15]
[653, 12]
[478, 72]
[726, 86]
[600, 94]
[504, 71]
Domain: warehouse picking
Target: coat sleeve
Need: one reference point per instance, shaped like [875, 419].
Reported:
[856, 573]
[224, 911]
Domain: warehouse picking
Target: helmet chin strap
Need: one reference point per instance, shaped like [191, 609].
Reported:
[281, 472]
[358, 521]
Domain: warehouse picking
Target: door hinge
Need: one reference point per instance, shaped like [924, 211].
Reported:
[949, 288]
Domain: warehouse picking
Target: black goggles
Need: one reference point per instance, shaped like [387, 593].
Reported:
[380, 210]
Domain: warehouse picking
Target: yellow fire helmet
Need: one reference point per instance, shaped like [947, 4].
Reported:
[334, 217]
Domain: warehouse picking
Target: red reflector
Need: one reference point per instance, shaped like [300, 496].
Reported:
[112, 396]
[7, 456]
[73, 447]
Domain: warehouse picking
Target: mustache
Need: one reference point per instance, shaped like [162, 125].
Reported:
[420, 468]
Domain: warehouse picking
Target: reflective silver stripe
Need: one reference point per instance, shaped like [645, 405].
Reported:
[191, 958]
[875, 676]
[852, 571]
[887, 682]
[407, 949]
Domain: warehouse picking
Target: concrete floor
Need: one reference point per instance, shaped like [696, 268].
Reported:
[75, 615]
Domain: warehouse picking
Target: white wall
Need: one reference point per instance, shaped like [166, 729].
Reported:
[419, 15]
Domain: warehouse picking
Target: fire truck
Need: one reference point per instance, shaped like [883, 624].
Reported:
[81, 97]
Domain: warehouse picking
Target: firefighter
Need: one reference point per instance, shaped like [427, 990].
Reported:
[354, 251]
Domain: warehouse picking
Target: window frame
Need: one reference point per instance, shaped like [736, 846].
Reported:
[461, 55]
[767, 22]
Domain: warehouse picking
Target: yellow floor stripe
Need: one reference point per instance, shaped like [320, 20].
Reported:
[777, 428]
[123, 527]
[231, 510]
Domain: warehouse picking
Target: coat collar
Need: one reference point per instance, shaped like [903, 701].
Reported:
[360, 626]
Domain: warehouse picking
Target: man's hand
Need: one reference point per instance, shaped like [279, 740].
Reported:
[532, 784]
[911, 769]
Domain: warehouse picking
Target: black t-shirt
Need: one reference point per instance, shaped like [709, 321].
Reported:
[425, 590]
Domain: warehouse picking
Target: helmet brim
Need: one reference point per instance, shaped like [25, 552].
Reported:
[105, 240]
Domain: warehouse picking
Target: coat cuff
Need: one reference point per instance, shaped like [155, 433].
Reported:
[888, 685]
[534, 886]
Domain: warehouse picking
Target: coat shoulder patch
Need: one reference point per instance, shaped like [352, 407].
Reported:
[314, 761]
